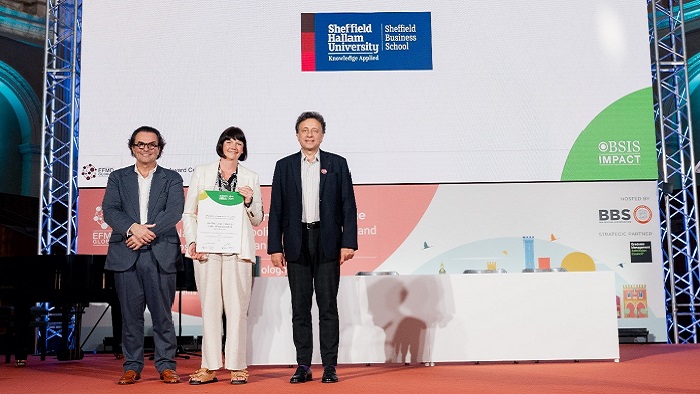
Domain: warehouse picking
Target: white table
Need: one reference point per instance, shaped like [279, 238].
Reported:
[448, 318]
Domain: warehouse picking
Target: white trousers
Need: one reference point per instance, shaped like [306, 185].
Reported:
[224, 284]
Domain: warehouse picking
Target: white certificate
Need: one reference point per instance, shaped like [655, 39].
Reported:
[219, 222]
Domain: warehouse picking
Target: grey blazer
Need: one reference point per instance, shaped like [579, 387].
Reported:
[121, 209]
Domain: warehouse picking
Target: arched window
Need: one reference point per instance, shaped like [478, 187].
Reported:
[20, 126]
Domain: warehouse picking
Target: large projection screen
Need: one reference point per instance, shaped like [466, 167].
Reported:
[475, 92]
[480, 135]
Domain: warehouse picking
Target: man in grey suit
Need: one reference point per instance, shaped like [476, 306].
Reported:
[142, 204]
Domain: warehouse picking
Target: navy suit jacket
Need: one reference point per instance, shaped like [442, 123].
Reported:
[338, 210]
[121, 209]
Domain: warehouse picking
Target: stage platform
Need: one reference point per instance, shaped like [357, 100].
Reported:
[643, 368]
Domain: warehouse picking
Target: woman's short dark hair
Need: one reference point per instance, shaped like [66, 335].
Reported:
[311, 115]
[232, 133]
[147, 129]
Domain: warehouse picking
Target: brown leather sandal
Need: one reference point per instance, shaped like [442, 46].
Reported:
[239, 377]
[203, 376]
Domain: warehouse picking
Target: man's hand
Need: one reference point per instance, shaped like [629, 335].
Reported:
[133, 243]
[346, 254]
[278, 260]
[142, 233]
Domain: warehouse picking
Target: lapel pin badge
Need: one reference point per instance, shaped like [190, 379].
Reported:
[323, 171]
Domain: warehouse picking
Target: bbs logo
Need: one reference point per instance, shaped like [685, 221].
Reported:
[613, 215]
[642, 214]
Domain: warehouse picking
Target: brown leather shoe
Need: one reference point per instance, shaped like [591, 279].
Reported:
[129, 377]
[169, 376]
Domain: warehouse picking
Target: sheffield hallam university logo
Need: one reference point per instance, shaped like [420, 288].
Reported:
[375, 41]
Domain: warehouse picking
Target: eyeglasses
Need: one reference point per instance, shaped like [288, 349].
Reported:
[150, 145]
[309, 131]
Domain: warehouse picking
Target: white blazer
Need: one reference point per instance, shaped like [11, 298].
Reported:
[204, 178]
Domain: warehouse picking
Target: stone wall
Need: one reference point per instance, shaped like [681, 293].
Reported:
[32, 7]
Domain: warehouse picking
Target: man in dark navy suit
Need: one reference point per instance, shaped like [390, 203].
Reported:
[142, 204]
[313, 231]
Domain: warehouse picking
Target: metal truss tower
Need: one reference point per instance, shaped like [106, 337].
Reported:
[59, 190]
[58, 206]
[677, 193]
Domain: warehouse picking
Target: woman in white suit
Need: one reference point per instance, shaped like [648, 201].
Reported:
[224, 282]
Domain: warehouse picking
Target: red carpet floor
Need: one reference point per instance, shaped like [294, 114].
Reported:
[643, 368]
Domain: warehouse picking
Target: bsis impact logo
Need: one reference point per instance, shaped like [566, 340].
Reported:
[619, 152]
[642, 214]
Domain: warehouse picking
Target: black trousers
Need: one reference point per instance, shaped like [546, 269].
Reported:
[25, 335]
[312, 271]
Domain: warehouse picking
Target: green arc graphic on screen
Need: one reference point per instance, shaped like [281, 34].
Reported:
[222, 197]
[618, 144]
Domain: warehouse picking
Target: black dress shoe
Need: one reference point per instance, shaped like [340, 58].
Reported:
[301, 375]
[329, 375]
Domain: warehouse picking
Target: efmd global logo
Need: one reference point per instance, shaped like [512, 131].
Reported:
[642, 214]
[90, 172]
[619, 152]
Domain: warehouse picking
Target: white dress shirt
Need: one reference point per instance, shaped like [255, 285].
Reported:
[310, 183]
